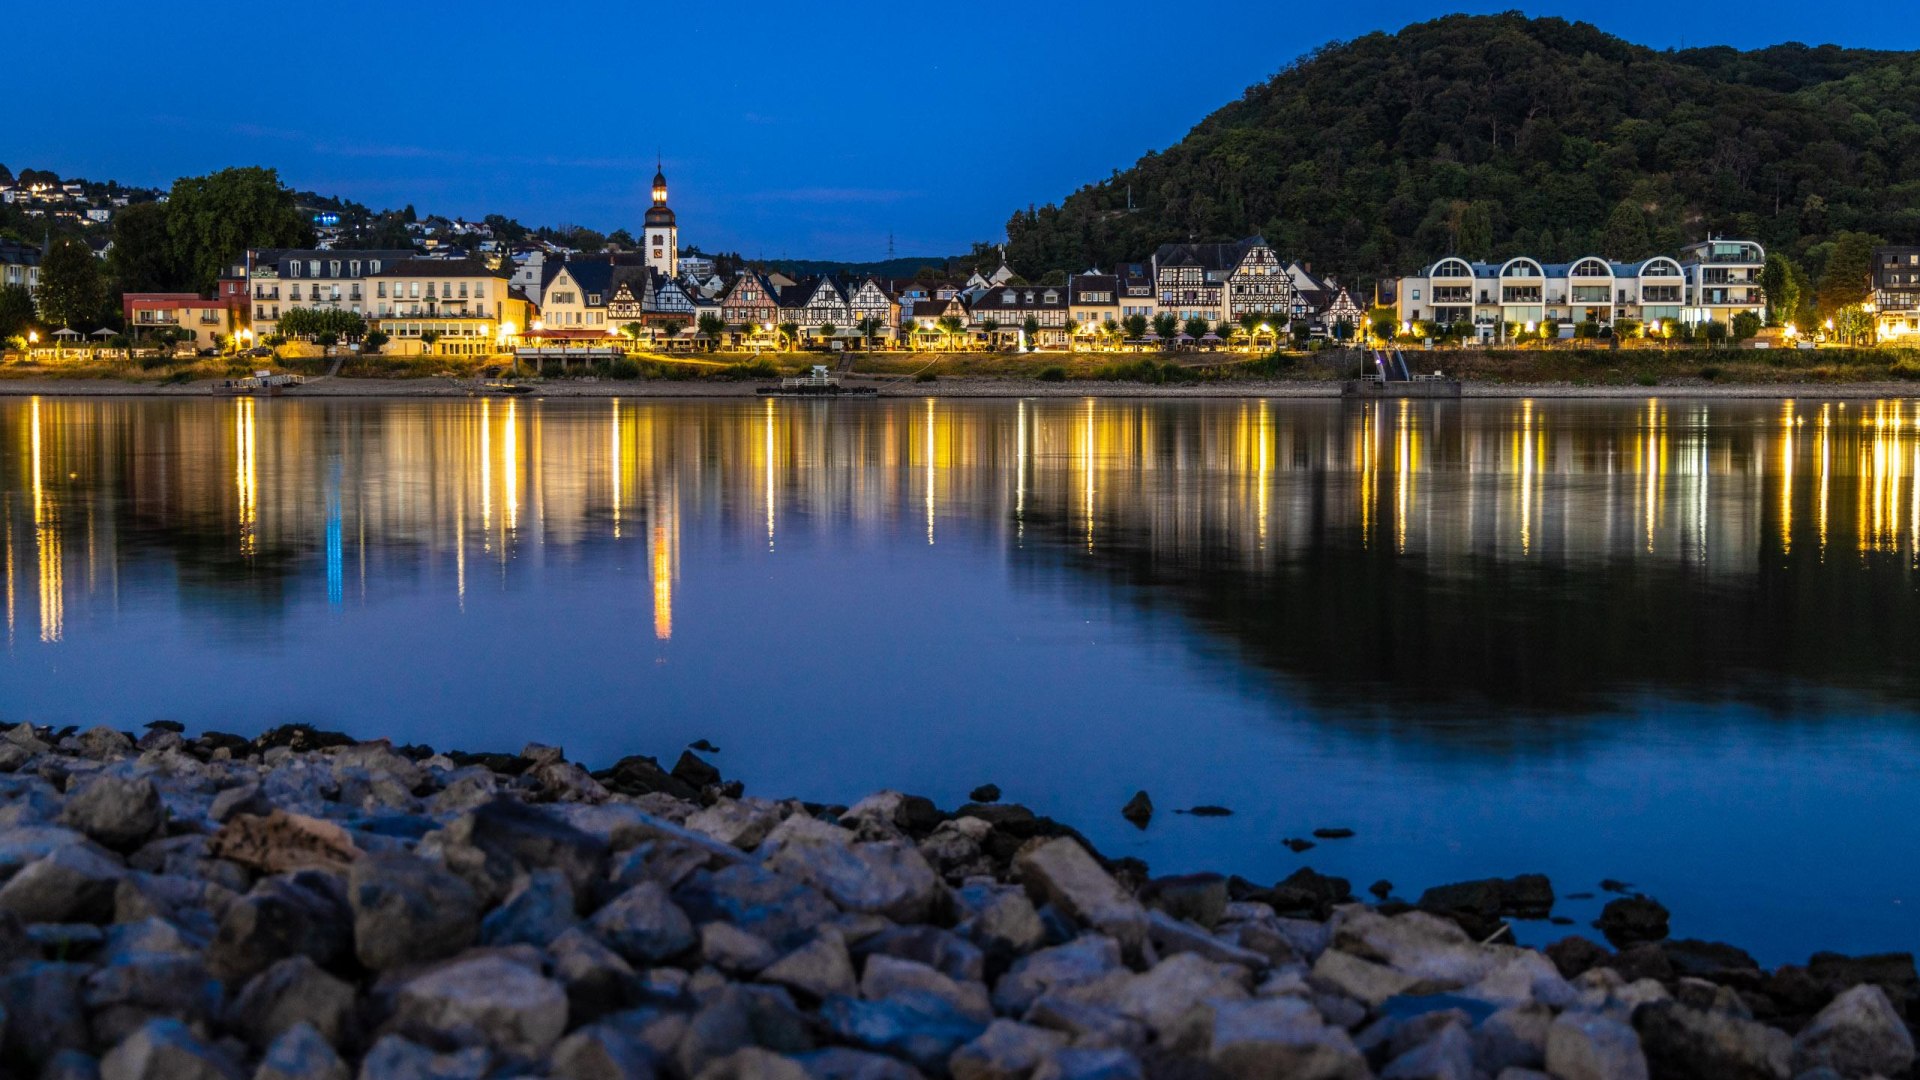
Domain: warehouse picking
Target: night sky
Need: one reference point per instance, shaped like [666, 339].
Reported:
[790, 129]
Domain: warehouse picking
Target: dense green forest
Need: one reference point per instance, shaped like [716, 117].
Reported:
[1489, 136]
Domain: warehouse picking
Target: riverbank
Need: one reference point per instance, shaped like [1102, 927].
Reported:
[435, 387]
[311, 906]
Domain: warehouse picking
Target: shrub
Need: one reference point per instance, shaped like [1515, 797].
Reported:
[1905, 369]
[924, 376]
[1745, 325]
[1053, 373]
[623, 368]
[1647, 378]
[1710, 373]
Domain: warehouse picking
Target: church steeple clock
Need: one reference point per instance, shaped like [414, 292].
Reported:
[662, 232]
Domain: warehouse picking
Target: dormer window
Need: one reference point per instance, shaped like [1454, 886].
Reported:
[375, 266]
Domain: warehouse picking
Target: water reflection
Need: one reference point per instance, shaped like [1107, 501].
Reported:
[1503, 556]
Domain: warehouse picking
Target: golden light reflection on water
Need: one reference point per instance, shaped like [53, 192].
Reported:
[288, 487]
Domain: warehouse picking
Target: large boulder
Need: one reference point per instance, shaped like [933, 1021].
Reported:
[1285, 1036]
[486, 1001]
[1593, 1046]
[1685, 1042]
[299, 914]
[293, 992]
[116, 811]
[644, 925]
[1060, 872]
[407, 910]
[301, 1053]
[73, 883]
[167, 1049]
[887, 877]
[1633, 920]
[501, 841]
[1857, 1034]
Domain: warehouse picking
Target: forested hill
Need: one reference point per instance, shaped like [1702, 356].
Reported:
[1488, 136]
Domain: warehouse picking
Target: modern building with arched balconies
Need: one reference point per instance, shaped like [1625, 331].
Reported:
[1528, 292]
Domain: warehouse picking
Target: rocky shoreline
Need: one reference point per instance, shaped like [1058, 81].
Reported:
[304, 906]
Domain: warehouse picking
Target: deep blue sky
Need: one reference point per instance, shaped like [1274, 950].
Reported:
[806, 130]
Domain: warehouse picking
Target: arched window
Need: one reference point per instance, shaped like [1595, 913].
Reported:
[1660, 267]
[1591, 268]
[1451, 268]
[1520, 268]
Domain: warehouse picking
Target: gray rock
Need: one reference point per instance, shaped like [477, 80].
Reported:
[1007, 1050]
[1682, 1042]
[596, 979]
[122, 998]
[1631, 920]
[538, 910]
[741, 823]
[820, 969]
[497, 843]
[102, 743]
[1514, 1037]
[396, 1058]
[1087, 1024]
[644, 925]
[1083, 960]
[166, 1049]
[240, 799]
[888, 976]
[602, 1052]
[486, 1001]
[1359, 979]
[1162, 996]
[1448, 1055]
[921, 1028]
[876, 877]
[1090, 1063]
[301, 1053]
[1004, 921]
[117, 812]
[734, 951]
[780, 908]
[942, 950]
[300, 914]
[293, 992]
[1857, 1034]
[1253, 1040]
[1200, 899]
[125, 940]
[1590, 1046]
[1060, 872]
[407, 910]
[73, 883]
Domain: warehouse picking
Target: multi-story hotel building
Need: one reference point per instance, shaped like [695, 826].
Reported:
[280, 280]
[1723, 280]
[445, 307]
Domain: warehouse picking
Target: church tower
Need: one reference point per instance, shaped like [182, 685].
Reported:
[662, 234]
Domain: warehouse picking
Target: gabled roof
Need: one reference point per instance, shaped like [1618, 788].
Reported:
[595, 277]
[1080, 284]
[1221, 257]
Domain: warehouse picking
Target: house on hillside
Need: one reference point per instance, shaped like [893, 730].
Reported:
[999, 317]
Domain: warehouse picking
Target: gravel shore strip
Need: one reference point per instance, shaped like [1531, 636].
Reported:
[963, 388]
[304, 906]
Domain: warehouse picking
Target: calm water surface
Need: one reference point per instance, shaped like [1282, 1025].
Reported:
[1668, 642]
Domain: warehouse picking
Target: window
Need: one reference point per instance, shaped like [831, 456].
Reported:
[356, 267]
[374, 266]
[1416, 296]
[333, 268]
[413, 289]
[429, 290]
[293, 269]
[313, 267]
[380, 290]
